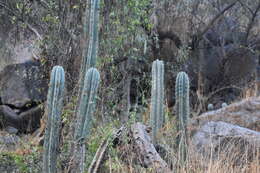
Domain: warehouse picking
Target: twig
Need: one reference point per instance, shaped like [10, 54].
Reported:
[214, 20]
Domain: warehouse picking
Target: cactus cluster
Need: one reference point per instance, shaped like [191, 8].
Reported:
[157, 101]
[88, 85]
[157, 117]
[54, 108]
[183, 111]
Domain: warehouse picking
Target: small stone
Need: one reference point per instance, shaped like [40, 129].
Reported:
[11, 130]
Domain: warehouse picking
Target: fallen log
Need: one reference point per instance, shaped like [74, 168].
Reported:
[145, 150]
[138, 144]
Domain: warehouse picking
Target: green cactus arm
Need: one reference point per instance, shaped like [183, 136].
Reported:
[54, 108]
[84, 117]
[87, 103]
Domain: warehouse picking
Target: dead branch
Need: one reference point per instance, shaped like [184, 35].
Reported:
[98, 158]
[101, 152]
[250, 25]
[212, 22]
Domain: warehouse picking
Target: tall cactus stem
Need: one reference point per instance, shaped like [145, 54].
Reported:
[87, 103]
[183, 112]
[89, 55]
[54, 110]
[84, 116]
[157, 117]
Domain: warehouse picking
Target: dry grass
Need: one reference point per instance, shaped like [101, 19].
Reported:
[230, 159]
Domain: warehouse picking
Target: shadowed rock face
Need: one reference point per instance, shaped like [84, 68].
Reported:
[25, 122]
[22, 88]
[23, 84]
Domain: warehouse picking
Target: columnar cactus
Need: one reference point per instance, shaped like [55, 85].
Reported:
[54, 108]
[89, 55]
[84, 116]
[88, 85]
[87, 103]
[183, 111]
[157, 107]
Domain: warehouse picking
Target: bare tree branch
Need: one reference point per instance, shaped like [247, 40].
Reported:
[22, 20]
[211, 23]
[246, 6]
[250, 25]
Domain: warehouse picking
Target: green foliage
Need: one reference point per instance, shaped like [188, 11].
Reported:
[54, 108]
[125, 30]
[157, 116]
[183, 112]
[13, 160]
[24, 160]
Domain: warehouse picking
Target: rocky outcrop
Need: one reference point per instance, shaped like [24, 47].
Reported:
[23, 84]
[214, 139]
[232, 132]
[245, 113]
[27, 121]
[18, 44]
[23, 87]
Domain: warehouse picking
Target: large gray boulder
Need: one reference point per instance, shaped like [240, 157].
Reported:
[245, 113]
[216, 139]
[23, 84]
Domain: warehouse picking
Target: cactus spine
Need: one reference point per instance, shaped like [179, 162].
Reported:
[157, 107]
[84, 116]
[54, 108]
[183, 111]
